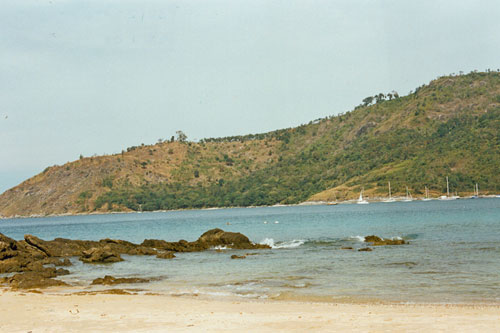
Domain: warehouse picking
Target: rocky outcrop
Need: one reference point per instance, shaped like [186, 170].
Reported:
[100, 256]
[166, 255]
[234, 256]
[111, 280]
[29, 280]
[365, 249]
[39, 244]
[8, 247]
[31, 256]
[211, 238]
[377, 241]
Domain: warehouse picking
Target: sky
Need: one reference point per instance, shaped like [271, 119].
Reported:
[97, 76]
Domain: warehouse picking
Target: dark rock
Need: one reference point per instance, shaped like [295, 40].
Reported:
[365, 249]
[37, 277]
[142, 251]
[29, 280]
[377, 241]
[346, 248]
[111, 280]
[61, 271]
[211, 238]
[56, 261]
[234, 240]
[234, 256]
[8, 247]
[166, 255]
[100, 256]
[38, 244]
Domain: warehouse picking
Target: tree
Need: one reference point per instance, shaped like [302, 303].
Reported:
[380, 97]
[181, 137]
[368, 100]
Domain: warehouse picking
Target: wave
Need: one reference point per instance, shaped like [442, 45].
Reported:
[321, 242]
[282, 245]
[219, 247]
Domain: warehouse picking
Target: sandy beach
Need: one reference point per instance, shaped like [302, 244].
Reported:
[33, 312]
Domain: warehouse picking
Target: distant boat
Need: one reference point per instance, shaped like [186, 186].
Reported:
[408, 196]
[447, 196]
[476, 192]
[390, 195]
[361, 201]
[426, 195]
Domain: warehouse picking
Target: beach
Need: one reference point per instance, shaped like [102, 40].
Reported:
[297, 269]
[34, 312]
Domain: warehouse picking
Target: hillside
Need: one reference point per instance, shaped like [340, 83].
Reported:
[449, 127]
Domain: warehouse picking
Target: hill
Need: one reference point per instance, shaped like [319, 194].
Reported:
[446, 128]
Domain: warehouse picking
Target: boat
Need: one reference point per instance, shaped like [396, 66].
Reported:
[408, 196]
[426, 195]
[476, 192]
[391, 199]
[361, 201]
[447, 196]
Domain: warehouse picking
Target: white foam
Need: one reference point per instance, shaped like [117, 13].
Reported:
[282, 245]
[220, 247]
[358, 238]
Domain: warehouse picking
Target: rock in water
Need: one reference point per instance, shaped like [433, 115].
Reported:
[100, 256]
[166, 255]
[30, 280]
[111, 280]
[377, 241]
[211, 238]
[365, 249]
[234, 256]
[234, 240]
[38, 244]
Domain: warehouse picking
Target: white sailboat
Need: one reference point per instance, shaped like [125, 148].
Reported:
[391, 199]
[426, 195]
[408, 196]
[447, 196]
[476, 192]
[361, 201]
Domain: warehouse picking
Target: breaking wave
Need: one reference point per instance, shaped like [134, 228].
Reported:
[282, 245]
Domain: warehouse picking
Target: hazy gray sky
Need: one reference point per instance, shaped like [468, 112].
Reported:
[96, 76]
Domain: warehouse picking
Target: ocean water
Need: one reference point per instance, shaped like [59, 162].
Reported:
[453, 255]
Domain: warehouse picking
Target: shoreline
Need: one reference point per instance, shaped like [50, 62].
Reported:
[24, 311]
[304, 203]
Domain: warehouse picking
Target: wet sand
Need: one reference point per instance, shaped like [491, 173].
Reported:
[24, 312]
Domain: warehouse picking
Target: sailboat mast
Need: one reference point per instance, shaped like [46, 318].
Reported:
[447, 187]
[390, 196]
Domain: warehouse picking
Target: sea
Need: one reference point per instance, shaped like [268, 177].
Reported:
[453, 255]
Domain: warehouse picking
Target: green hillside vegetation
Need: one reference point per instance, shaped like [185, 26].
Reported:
[447, 128]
